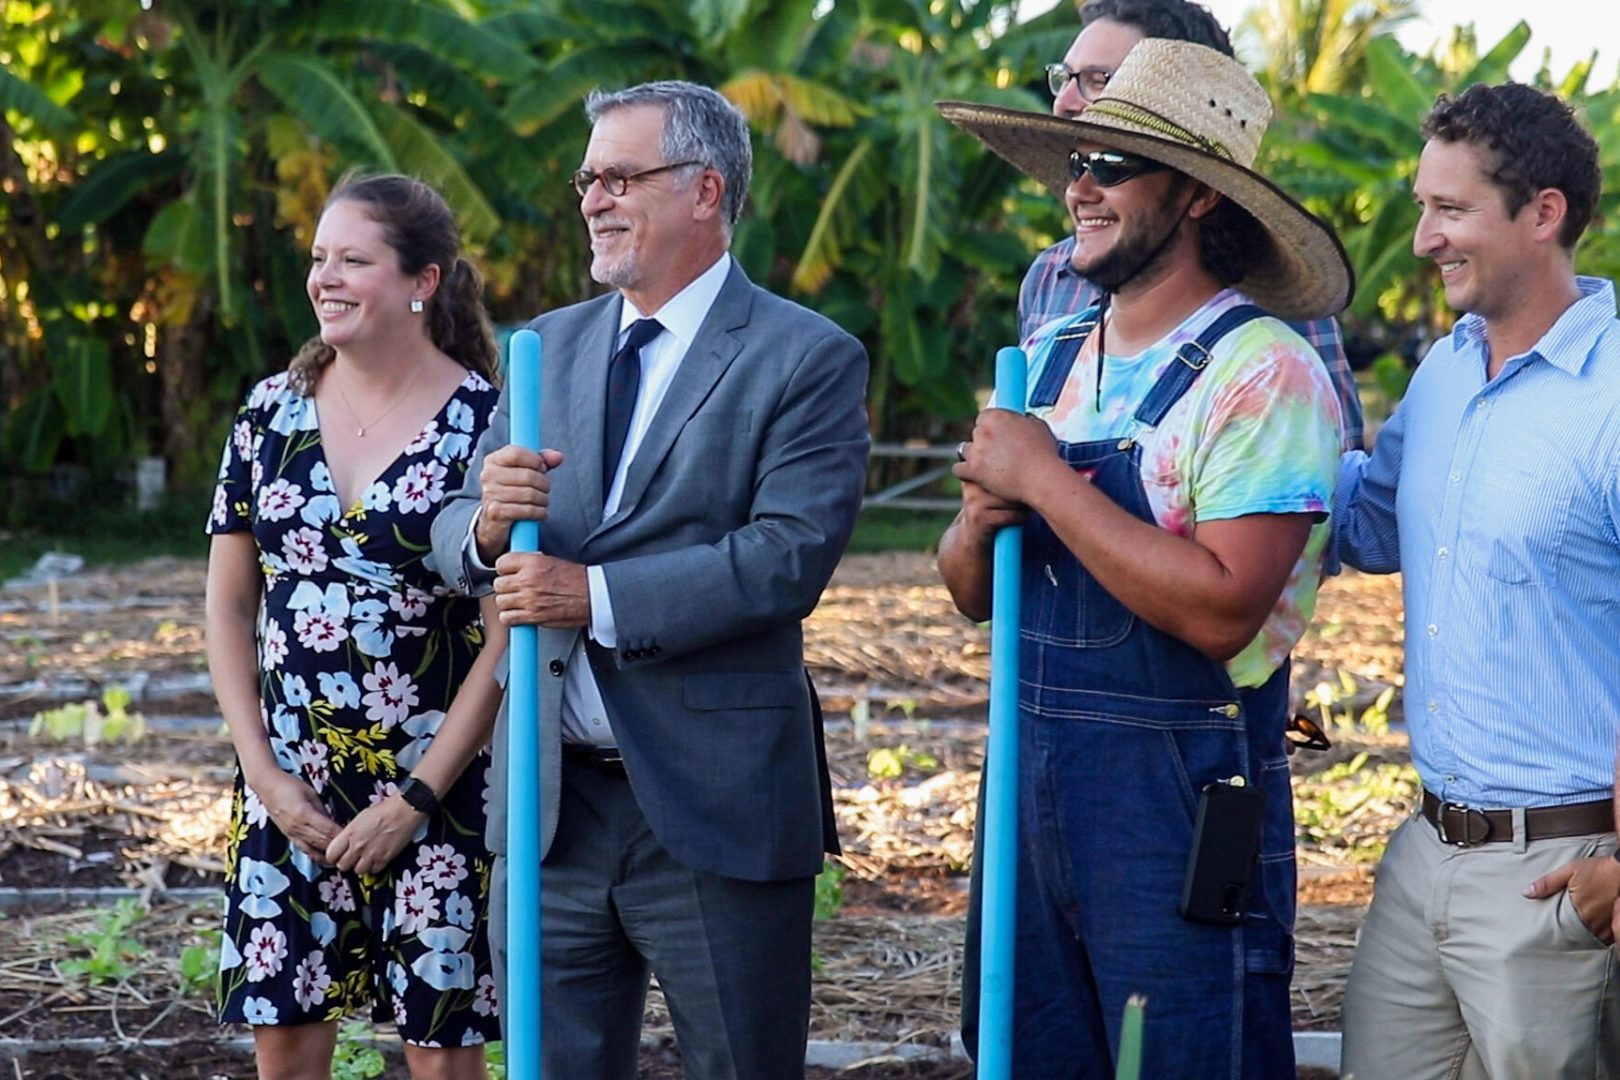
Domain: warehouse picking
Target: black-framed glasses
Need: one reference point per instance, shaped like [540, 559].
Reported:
[616, 183]
[1089, 81]
[1110, 167]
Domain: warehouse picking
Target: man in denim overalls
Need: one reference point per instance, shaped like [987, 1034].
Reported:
[1173, 477]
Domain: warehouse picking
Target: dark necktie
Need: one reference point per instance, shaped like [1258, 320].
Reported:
[623, 381]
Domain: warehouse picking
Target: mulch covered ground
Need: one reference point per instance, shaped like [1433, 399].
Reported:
[904, 680]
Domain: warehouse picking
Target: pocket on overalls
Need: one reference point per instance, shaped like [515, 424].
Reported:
[1101, 620]
[1268, 933]
[1064, 605]
[1207, 747]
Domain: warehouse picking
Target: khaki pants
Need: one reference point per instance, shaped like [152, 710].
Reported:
[1459, 976]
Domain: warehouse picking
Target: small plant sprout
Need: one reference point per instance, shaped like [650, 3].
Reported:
[86, 722]
[891, 762]
[356, 1056]
[109, 948]
[199, 965]
[1325, 696]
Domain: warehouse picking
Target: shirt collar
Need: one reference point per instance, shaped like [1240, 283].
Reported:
[1063, 256]
[684, 312]
[1570, 340]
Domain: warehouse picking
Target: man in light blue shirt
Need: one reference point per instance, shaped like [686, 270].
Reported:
[1495, 490]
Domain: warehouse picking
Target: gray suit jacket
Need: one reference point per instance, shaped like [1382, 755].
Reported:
[735, 511]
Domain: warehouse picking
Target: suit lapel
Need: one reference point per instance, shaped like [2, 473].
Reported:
[713, 350]
[587, 360]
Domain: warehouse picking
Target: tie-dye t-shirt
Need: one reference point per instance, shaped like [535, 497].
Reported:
[1258, 433]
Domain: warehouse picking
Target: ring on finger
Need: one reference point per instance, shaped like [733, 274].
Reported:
[961, 450]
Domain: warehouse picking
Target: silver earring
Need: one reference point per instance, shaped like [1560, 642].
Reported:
[416, 305]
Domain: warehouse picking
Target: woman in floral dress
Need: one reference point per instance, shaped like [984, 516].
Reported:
[359, 693]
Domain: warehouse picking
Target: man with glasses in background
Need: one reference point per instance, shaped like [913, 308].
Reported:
[1172, 476]
[710, 453]
[1052, 287]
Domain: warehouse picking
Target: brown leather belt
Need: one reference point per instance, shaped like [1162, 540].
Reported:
[1468, 826]
[601, 758]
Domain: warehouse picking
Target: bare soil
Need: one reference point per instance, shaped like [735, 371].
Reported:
[903, 677]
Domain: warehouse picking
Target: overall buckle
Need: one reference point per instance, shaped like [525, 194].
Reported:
[1193, 355]
[1469, 814]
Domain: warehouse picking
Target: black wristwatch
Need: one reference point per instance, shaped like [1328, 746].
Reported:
[419, 795]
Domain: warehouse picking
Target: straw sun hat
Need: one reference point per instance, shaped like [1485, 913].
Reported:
[1202, 114]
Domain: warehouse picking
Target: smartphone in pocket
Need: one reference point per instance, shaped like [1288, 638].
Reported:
[1226, 844]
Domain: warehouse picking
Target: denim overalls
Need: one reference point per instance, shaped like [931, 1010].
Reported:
[1121, 727]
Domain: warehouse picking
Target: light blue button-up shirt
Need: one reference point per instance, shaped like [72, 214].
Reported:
[1500, 503]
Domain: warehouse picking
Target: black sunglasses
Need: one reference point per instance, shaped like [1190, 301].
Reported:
[1305, 734]
[1109, 167]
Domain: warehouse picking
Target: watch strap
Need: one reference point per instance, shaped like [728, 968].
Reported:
[419, 795]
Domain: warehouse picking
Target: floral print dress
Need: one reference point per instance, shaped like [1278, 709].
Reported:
[361, 650]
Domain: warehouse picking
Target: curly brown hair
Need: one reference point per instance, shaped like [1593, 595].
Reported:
[1231, 242]
[1178, 20]
[1536, 141]
[418, 225]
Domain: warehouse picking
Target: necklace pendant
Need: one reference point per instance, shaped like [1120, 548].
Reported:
[360, 431]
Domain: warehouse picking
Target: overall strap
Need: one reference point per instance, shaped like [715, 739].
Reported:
[1192, 358]
[1060, 356]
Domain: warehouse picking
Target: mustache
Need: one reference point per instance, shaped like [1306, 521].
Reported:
[605, 220]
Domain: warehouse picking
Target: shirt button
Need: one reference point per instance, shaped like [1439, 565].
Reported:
[1445, 553]
[1480, 404]
[596, 721]
[1434, 706]
[556, 667]
[1433, 629]
[1456, 477]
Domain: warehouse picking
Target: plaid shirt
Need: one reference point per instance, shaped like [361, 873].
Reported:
[1052, 289]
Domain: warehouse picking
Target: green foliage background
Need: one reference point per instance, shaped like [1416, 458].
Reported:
[163, 165]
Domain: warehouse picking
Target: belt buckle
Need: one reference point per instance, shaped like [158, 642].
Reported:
[1467, 837]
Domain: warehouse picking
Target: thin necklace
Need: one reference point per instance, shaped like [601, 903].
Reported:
[360, 425]
[1102, 330]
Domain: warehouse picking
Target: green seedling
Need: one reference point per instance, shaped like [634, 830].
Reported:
[829, 899]
[891, 762]
[860, 718]
[86, 722]
[110, 949]
[356, 1056]
[829, 890]
[1334, 704]
[495, 1060]
[199, 966]
[1342, 807]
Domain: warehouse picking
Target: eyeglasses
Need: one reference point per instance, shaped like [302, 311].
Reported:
[1109, 167]
[616, 183]
[1089, 81]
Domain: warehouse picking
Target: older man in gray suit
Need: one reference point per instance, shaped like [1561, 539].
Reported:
[710, 449]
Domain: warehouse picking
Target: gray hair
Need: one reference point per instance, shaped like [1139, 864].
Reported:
[699, 125]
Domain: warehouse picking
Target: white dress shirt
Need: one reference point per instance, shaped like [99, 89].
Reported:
[584, 716]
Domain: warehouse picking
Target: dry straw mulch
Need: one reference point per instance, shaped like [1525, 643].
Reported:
[132, 831]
